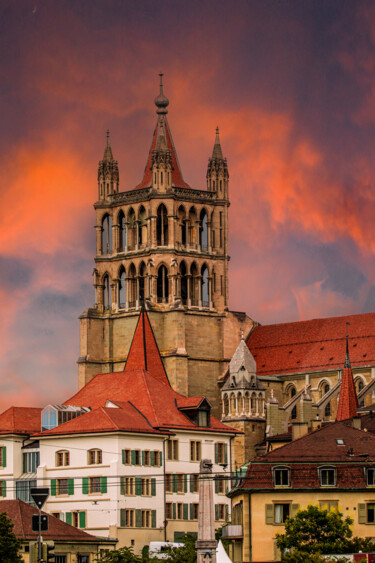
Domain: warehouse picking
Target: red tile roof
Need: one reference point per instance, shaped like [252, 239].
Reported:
[315, 345]
[106, 419]
[144, 352]
[177, 179]
[155, 400]
[189, 402]
[20, 420]
[20, 513]
[348, 401]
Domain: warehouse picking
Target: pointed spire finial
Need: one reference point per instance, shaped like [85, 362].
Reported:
[347, 359]
[108, 151]
[161, 101]
[107, 137]
[217, 152]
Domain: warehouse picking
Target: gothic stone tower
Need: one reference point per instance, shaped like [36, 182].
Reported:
[163, 244]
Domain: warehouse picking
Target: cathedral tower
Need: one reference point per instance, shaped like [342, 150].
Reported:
[165, 245]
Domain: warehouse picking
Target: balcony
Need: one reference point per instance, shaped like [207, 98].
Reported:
[232, 531]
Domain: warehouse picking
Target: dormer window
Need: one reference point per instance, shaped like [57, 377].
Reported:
[281, 476]
[199, 414]
[203, 418]
[327, 476]
[370, 477]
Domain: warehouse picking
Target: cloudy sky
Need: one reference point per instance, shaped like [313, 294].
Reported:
[290, 84]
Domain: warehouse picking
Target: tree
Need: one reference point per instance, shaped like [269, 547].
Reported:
[9, 544]
[123, 555]
[185, 554]
[319, 531]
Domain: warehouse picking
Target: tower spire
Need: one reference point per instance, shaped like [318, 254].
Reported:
[217, 170]
[348, 401]
[347, 359]
[217, 153]
[161, 101]
[108, 156]
[108, 174]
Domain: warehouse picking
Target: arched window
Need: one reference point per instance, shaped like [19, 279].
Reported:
[253, 402]
[293, 392]
[327, 410]
[131, 229]
[182, 224]
[107, 297]
[142, 228]
[122, 288]
[326, 388]
[141, 282]
[94, 457]
[122, 231]
[162, 285]
[226, 405]
[132, 286]
[192, 227]
[162, 225]
[107, 234]
[193, 284]
[360, 385]
[184, 284]
[62, 458]
[203, 230]
[204, 286]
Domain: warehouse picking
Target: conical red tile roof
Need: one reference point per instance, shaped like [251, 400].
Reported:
[348, 401]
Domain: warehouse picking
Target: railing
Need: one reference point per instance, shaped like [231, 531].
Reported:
[232, 531]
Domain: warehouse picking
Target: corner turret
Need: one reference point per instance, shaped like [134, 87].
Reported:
[108, 175]
[217, 171]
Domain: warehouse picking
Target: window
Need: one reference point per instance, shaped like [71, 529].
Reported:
[23, 490]
[370, 477]
[203, 416]
[180, 483]
[3, 488]
[169, 511]
[169, 483]
[371, 513]
[327, 477]
[107, 294]
[220, 485]
[194, 483]
[30, 461]
[62, 458]
[281, 477]
[76, 518]
[94, 485]
[122, 288]
[94, 457]
[127, 517]
[56, 515]
[137, 457]
[60, 558]
[237, 513]
[205, 303]
[126, 457]
[195, 451]
[162, 285]
[146, 487]
[157, 458]
[172, 450]
[194, 511]
[107, 234]
[147, 458]
[128, 486]
[221, 454]
[220, 511]
[162, 226]
[3, 457]
[62, 486]
[281, 513]
[146, 518]
[328, 504]
[83, 558]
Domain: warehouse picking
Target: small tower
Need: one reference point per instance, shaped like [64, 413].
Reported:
[161, 162]
[348, 401]
[217, 170]
[108, 175]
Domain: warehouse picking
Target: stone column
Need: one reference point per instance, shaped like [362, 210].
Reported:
[206, 543]
[188, 290]
[99, 249]
[171, 231]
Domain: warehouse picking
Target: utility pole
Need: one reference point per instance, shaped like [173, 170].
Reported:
[206, 543]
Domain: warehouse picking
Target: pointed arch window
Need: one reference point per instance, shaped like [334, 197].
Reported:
[204, 287]
[162, 226]
[131, 229]
[122, 231]
[141, 282]
[132, 286]
[293, 392]
[107, 234]
[122, 289]
[162, 285]
[203, 230]
[142, 229]
[360, 386]
[194, 284]
[107, 297]
[184, 283]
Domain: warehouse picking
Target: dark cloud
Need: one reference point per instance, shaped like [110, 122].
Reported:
[14, 273]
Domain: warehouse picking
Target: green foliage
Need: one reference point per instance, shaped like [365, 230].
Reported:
[185, 554]
[9, 544]
[123, 555]
[302, 557]
[319, 531]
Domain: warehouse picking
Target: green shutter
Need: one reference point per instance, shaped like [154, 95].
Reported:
[185, 483]
[216, 453]
[122, 485]
[269, 513]
[138, 518]
[85, 486]
[362, 514]
[226, 513]
[226, 454]
[191, 483]
[185, 511]
[70, 486]
[174, 510]
[216, 512]
[122, 517]
[132, 457]
[161, 458]
[152, 458]
[138, 486]
[294, 509]
[4, 456]
[82, 519]
[153, 518]
[153, 487]
[68, 518]
[4, 489]
[123, 456]
[103, 484]
[191, 511]
[217, 485]
[143, 457]
[174, 483]
[53, 487]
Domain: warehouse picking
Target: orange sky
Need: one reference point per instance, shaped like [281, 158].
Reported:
[291, 86]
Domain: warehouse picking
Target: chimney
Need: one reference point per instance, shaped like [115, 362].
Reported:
[357, 422]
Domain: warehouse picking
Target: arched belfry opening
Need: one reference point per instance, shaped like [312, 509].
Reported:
[184, 283]
[162, 226]
[122, 288]
[162, 285]
[203, 231]
[107, 234]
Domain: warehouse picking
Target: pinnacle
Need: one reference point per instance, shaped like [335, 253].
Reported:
[108, 156]
[217, 152]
